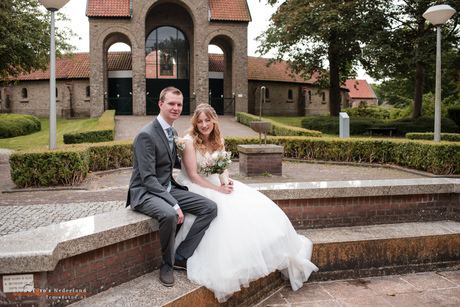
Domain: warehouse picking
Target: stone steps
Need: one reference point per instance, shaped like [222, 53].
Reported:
[345, 252]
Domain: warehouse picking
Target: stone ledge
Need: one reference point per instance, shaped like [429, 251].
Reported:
[41, 249]
[260, 149]
[357, 188]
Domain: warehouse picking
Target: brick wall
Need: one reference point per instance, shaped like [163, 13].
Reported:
[252, 165]
[94, 271]
[355, 211]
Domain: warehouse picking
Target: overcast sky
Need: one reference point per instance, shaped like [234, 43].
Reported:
[260, 14]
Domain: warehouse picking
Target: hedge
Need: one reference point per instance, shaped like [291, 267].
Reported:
[277, 129]
[359, 125]
[103, 132]
[12, 125]
[449, 137]
[437, 158]
[70, 164]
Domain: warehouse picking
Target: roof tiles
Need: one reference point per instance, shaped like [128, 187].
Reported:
[360, 89]
[229, 10]
[109, 8]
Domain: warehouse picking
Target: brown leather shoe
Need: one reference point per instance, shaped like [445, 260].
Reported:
[166, 275]
[180, 264]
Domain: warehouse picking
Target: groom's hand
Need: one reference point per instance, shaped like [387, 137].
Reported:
[180, 216]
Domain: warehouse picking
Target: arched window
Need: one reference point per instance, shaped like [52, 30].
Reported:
[309, 96]
[88, 91]
[167, 54]
[24, 93]
[267, 93]
[324, 97]
[290, 95]
[56, 92]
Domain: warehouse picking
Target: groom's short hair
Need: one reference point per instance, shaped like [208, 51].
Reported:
[169, 89]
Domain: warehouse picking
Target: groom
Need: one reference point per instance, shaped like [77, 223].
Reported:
[154, 192]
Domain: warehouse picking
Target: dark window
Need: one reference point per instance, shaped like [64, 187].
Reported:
[309, 96]
[88, 91]
[290, 95]
[167, 54]
[24, 93]
[267, 94]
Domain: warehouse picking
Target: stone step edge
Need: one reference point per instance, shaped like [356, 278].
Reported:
[339, 260]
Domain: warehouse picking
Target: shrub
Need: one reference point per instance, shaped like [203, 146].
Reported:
[437, 158]
[453, 113]
[358, 125]
[69, 164]
[449, 137]
[103, 132]
[422, 124]
[330, 124]
[12, 125]
[276, 128]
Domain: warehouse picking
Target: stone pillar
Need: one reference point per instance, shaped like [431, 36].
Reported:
[255, 160]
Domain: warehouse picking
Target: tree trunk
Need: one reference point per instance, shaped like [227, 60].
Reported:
[419, 73]
[334, 88]
[418, 95]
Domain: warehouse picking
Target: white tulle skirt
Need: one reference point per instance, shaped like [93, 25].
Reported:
[250, 238]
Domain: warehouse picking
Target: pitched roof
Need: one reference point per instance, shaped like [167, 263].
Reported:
[108, 8]
[76, 66]
[229, 10]
[216, 62]
[258, 70]
[219, 10]
[360, 89]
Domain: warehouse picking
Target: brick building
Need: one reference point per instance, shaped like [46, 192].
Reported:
[169, 42]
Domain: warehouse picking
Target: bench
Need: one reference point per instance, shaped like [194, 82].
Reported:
[381, 129]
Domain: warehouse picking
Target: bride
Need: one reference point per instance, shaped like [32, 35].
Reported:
[251, 236]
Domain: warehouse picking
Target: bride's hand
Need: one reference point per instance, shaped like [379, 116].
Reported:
[225, 189]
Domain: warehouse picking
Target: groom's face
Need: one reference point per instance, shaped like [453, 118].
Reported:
[171, 107]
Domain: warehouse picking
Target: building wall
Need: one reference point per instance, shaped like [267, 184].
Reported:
[278, 103]
[189, 16]
[71, 100]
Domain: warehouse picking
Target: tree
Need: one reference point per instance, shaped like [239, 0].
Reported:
[406, 48]
[322, 37]
[25, 38]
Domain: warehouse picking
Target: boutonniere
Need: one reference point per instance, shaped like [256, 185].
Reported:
[179, 142]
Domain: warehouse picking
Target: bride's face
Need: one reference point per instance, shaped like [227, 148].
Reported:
[204, 124]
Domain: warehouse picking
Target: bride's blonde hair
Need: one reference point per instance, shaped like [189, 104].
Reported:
[215, 137]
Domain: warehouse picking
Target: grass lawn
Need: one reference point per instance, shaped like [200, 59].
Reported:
[41, 138]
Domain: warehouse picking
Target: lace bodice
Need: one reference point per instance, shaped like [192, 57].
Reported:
[183, 177]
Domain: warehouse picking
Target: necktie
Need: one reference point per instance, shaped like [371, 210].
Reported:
[170, 138]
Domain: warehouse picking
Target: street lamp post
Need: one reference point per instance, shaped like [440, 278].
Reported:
[53, 6]
[438, 15]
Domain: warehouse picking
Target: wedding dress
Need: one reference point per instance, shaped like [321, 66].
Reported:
[250, 238]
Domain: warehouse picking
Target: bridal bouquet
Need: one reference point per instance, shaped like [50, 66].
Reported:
[217, 163]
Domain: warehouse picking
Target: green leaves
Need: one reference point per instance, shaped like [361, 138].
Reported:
[25, 37]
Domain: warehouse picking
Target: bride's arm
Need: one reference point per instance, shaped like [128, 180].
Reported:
[189, 159]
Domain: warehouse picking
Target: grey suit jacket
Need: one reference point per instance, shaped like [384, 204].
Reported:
[153, 164]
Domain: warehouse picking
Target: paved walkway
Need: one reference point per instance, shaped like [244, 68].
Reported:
[21, 210]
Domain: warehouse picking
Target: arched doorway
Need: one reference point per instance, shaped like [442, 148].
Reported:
[120, 79]
[167, 63]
